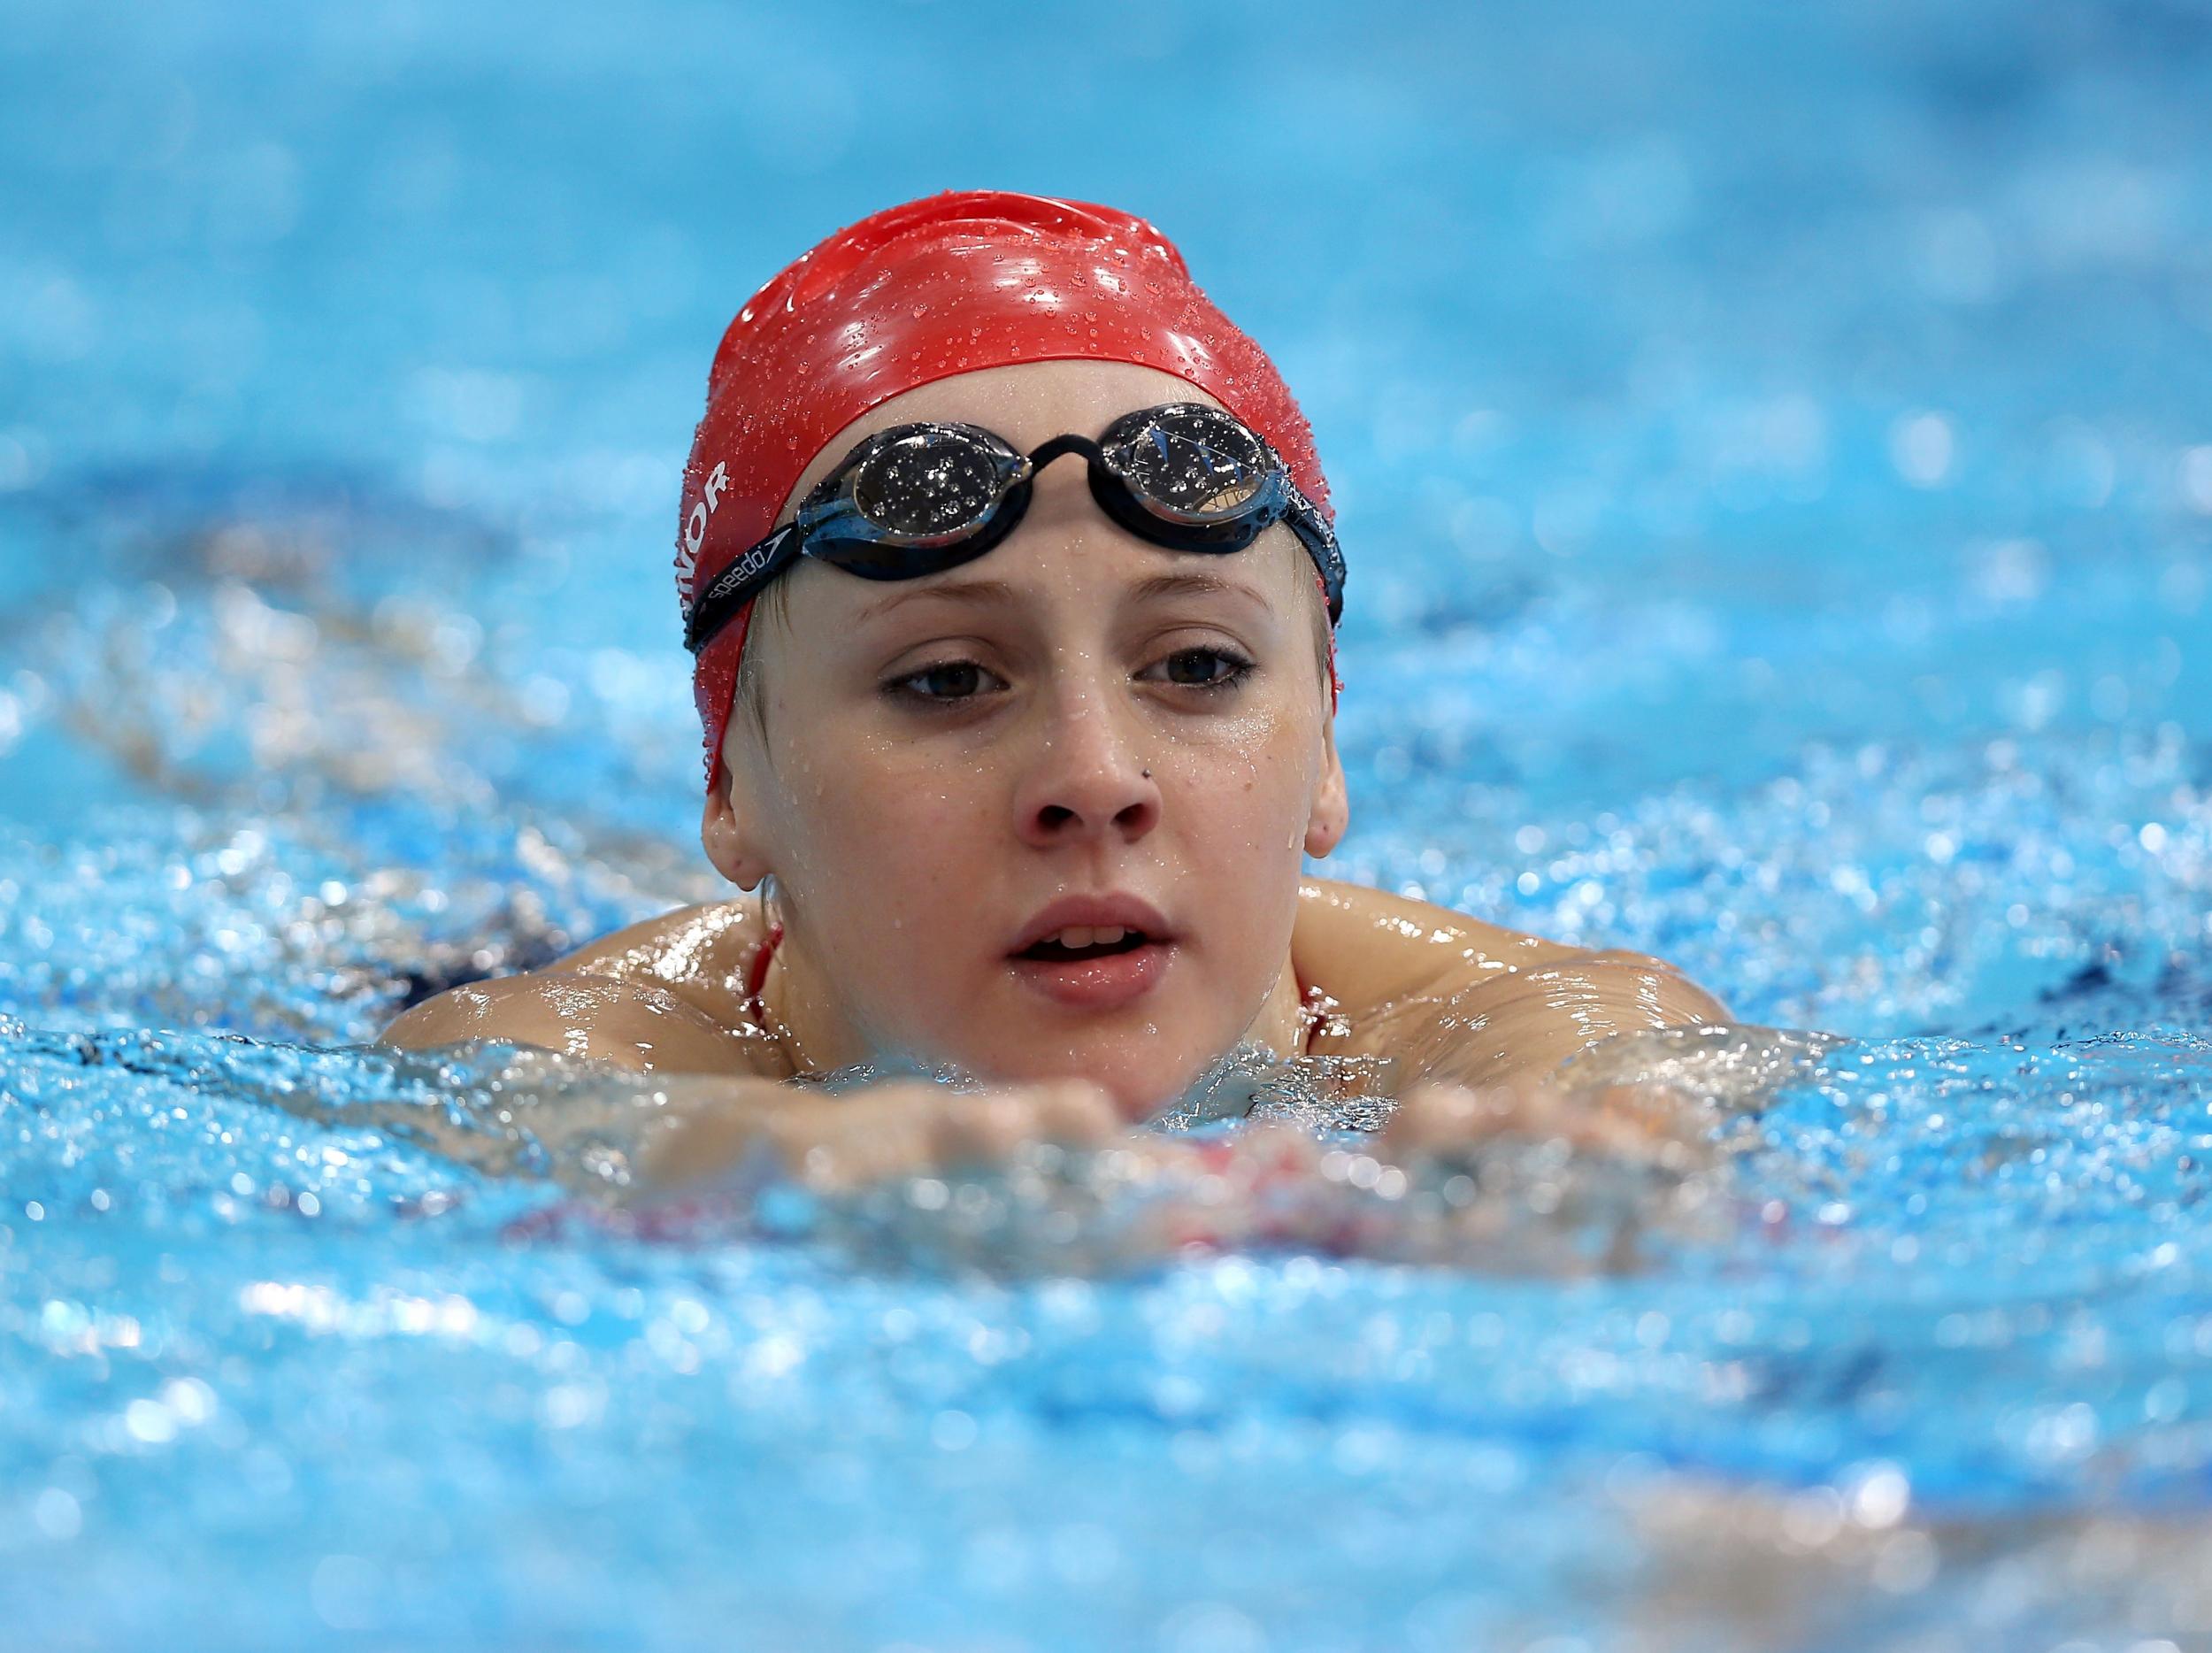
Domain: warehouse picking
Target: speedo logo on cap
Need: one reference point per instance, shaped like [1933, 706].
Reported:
[696, 530]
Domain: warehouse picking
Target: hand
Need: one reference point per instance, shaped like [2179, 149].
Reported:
[1650, 1123]
[1133, 1196]
[899, 1128]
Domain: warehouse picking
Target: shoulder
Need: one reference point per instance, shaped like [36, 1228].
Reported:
[625, 1024]
[1362, 945]
[1380, 956]
[665, 994]
[700, 954]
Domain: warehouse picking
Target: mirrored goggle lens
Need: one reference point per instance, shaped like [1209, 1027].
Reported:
[929, 484]
[1194, 460]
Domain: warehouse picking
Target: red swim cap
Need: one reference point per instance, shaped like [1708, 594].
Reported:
[948, 284]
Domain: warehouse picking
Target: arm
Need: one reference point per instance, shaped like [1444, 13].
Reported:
[1455, 1000]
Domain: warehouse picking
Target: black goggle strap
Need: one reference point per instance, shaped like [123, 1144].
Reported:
[738, 584]
[1319, 539]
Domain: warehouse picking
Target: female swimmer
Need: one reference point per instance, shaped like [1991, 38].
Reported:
[1007, 565]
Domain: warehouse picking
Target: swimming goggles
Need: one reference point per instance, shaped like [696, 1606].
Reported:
[918, 499]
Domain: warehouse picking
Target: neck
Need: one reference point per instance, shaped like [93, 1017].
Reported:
[1281, 1025]
[811, 1035]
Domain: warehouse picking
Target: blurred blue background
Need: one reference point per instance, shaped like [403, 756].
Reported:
[1773, 449]
[1711, 397]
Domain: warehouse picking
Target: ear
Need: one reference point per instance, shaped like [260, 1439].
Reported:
[1330, 812]
[725, 832]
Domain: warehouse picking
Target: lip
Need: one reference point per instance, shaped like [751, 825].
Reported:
[1104, 983]
[1131, 912]
[1110, 981]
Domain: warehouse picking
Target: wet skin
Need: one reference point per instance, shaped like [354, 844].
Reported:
[941, 757]
[1452, 999]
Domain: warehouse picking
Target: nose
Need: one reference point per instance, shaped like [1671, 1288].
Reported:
[1089, 779]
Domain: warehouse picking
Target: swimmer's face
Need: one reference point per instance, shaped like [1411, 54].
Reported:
[945, 757]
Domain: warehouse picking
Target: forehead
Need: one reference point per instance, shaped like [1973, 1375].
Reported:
[1027, 403]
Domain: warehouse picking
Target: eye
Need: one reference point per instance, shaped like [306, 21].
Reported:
[950, 683]
[1208, 669]
[947, 683]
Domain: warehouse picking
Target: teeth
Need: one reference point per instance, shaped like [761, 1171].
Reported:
[1077, 935]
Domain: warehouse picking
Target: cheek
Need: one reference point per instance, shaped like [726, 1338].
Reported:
[1239, 820]
[883, 843]
[1248, 797]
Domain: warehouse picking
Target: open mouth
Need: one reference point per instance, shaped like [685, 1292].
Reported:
[1077, 943]
[1091, 970]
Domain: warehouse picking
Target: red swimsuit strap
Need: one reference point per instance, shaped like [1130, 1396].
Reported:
[756, 976]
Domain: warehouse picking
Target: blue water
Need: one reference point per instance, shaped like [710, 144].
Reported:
[1774, 454]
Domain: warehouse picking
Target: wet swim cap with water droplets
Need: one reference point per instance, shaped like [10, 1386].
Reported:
[953, 283]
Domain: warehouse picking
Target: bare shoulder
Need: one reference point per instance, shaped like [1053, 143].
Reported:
[666, 994]
[1405, 972]
[1363, 946]
[699, 954]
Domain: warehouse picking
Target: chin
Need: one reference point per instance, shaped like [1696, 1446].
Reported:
[1143, 1078]
[1137, 1098]
[1148, 1088]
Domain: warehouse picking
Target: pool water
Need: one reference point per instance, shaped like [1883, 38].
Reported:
[1774, 458]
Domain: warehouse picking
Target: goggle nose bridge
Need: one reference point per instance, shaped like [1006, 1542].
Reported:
[1011, 499]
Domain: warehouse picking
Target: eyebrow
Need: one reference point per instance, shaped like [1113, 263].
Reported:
[996, 592]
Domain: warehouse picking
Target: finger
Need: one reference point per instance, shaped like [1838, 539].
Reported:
[690, 1148]
[1670, 1126]
[994, 1126]
[706, 1130]
[1438, 1119]
[847, 1142]
[1435, 1116]
[1632, 1122]
[980, 1128]
[1076, 1113]
[1659, 1108]
[1269, 1154]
